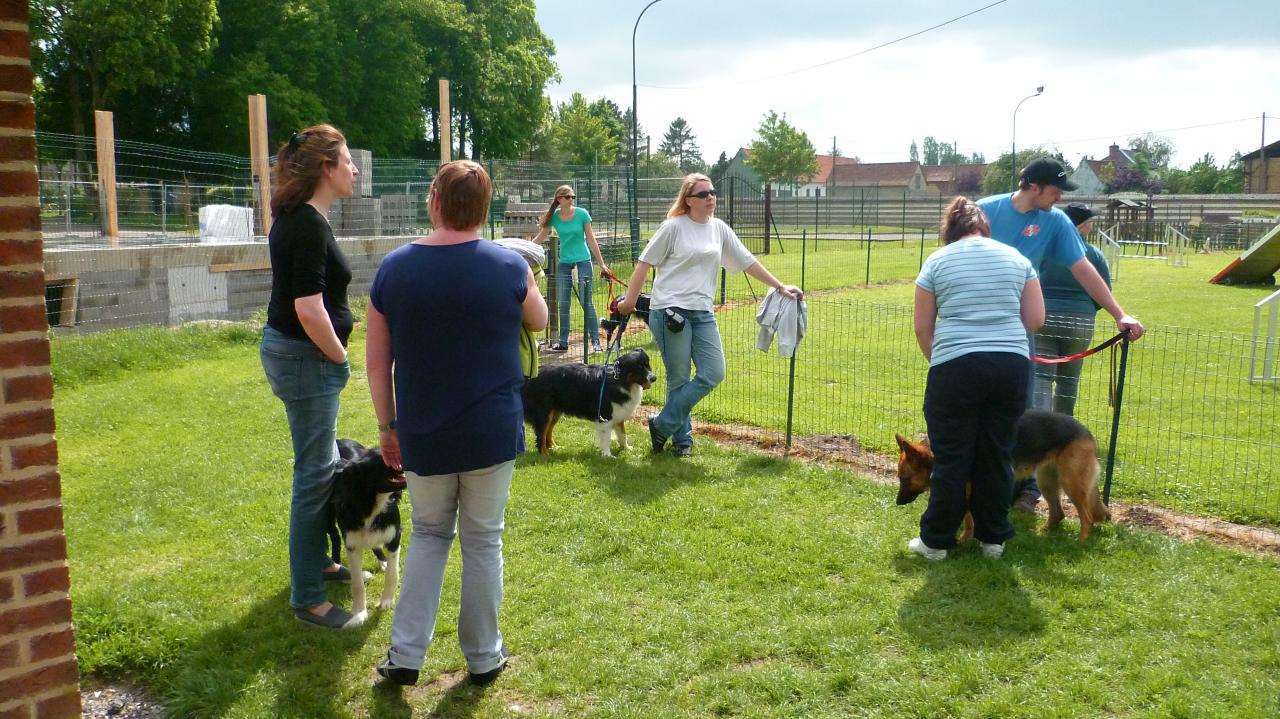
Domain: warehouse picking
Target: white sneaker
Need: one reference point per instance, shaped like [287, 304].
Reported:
[995, 551]
[918, 546]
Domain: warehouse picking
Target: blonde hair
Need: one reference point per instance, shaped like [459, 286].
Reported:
[561, 191]
[463, 190]
[686, 188]
[299, 164]
[961, 219]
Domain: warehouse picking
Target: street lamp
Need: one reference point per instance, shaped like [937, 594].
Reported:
[1013, 155]
[635, 119]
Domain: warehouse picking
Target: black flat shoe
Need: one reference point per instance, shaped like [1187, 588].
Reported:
[482, 679]
[656, 438]
[396, 675]
[344, 575]
[335, 618]
[684, 451]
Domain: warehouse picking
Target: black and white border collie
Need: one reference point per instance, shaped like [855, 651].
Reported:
[365, 506]
[574, 389]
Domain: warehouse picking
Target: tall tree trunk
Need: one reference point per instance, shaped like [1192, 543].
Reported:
[462, 134]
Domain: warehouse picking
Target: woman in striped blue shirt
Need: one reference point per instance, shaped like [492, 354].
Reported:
[976, 300]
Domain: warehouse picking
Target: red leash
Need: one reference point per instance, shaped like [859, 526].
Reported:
[1081, 355]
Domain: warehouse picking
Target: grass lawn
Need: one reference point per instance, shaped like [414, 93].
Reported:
[734, 584]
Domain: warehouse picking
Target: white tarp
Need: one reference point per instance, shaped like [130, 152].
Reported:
[224, 224]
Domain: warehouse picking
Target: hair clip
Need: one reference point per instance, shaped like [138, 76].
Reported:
[297, 138]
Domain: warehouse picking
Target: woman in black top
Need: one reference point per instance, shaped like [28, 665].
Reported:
[304, 352]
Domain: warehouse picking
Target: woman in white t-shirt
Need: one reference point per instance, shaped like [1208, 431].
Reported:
[687, 251]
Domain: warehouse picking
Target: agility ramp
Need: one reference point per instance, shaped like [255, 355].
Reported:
[1257, 265]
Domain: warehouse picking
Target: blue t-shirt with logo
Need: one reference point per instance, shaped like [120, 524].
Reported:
[1038, 234]
[455, 313]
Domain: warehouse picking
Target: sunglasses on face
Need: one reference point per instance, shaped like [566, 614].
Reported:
[568, 197]
[703, 195]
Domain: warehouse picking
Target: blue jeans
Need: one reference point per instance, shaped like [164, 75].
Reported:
[309, 385]
[472, 502]
[697, 346]
[564, 284]
[1057, 385]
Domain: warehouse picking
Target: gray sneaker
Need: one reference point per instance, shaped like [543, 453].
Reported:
[1026, 503]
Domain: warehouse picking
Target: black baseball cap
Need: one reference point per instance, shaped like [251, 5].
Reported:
[1079, 213]
[1047, 171]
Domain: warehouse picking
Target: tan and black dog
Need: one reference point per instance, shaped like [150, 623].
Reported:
[1056, 448]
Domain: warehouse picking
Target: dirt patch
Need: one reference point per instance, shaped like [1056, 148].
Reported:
[119, 701]
[845, 450]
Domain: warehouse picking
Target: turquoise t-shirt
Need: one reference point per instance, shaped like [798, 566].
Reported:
[573, 235]
[1038, 234]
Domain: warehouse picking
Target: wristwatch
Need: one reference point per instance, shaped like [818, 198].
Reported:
[387, 427]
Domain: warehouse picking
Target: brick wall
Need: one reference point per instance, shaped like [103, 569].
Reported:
[39, 676]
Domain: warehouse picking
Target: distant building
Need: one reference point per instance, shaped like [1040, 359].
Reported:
[1262, 170]
[1092, 176]
[817, 186]
[952, 180]
[904, 177]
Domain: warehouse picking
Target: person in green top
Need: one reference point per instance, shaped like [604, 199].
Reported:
[577, 247]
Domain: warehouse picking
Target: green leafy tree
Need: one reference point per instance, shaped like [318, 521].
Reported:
[660, 164]
[680, 143]
[782, 154]
[580, 137]
[932, 151]
[1231, 177]
[717, 170]
[1151, 152]
[1000, 175]
[135, 59]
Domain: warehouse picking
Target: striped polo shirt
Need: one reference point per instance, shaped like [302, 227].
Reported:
[978, 285]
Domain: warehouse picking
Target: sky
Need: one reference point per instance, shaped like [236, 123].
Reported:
[1200, 74]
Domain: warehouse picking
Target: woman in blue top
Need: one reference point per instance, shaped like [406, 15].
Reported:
[976, 300]
[443, 348]
[577, 247]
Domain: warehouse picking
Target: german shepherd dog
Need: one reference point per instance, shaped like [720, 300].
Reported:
[606, 394]
[365, 506]
[1054, 447]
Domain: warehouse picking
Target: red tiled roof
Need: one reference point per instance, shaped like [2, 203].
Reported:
[873, 173]
[947, 173]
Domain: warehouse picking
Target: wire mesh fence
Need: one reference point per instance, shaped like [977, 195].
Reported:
[1194, 435]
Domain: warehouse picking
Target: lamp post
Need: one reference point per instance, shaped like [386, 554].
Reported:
[1013, 155]
[635, 119]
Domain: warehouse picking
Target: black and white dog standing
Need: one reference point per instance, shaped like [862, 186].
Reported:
[366, 509]
[606, 394]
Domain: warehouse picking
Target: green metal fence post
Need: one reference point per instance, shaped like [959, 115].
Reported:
[1115, 421]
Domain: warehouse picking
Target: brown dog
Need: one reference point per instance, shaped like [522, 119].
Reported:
[1056, 448]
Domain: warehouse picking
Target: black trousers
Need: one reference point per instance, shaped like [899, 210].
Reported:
[972, 404]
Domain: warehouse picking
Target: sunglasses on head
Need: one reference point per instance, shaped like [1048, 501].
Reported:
[704, 194]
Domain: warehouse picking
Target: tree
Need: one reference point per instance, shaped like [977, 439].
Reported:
[716, 173]
[1151, 152]
[659, 164]
[580, 137]
[680, 143]
[915, 153]
[780, 153]
[135, 59]
[1231, 177]
[932, 151]
[1000, 175]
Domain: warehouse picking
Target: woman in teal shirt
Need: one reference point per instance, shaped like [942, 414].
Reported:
[577, 246]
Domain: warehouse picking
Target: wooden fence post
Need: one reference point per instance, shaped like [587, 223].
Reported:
[259, 154]
[104, 128]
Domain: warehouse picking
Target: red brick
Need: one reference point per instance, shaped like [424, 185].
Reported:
[31, 489]
[35, 455]
[15, 78]
[24, 711]
[24, 318]
[45, 581]
[25, 619]
[41, 680]
[21, 115]
[6, 586]
[53, 645]
[19, 219]
[63, 706]
[42, 519]
[10, 655]
[25, 424]
[21, 284]
[18, 12]
[29, 353]
[28, 388]
[38, 551]
[18, 183]
[15, 43]
[17, 148]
